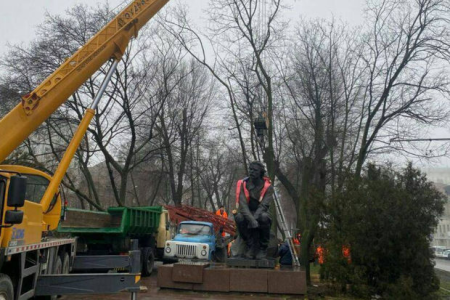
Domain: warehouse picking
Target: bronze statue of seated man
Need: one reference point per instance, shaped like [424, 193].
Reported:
[253, 198]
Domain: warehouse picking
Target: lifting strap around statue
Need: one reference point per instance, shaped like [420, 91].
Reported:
[247, 194]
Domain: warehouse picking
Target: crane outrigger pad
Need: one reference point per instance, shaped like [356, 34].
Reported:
[96, 283]
[101, 262]
[73, 284]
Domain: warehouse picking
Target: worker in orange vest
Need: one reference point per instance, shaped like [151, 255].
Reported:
[346, 253]
[297, 239]
[320, 252]
[221, 212]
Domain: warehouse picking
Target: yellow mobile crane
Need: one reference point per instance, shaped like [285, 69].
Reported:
[30, 202]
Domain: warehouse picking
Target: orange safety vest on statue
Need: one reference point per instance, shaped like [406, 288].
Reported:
[247, 193]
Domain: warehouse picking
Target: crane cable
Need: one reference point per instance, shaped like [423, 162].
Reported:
[262, 15]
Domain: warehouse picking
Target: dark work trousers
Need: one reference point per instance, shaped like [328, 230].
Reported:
[255, 237]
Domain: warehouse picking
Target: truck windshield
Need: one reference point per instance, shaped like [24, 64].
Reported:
[36, 186]
[194, 229]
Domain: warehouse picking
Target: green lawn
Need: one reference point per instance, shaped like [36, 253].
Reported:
[444, 278]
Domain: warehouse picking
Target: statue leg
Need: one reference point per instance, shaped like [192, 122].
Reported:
[242, 226]
[264, 235]
[253, 243]
[243, 230]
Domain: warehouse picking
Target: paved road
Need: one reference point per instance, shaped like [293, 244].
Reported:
[442, 264]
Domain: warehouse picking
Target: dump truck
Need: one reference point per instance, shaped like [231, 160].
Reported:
[111, 232]
[31, 259]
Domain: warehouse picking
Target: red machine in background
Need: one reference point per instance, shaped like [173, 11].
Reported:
[181, 213]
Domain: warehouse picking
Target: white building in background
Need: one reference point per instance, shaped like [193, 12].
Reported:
[441, 236]
[438, 175]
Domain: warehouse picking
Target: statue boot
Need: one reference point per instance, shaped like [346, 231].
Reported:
[251, 252]
[262, 254]
[253, 247]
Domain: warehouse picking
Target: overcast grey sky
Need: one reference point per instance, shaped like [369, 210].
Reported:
[18, 19]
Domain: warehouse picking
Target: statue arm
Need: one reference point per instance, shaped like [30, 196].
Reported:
[265, 203]
[243, 207]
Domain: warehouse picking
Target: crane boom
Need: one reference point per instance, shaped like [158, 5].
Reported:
[24, 232]
[110, 42]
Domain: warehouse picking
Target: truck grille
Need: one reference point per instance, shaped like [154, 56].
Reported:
[186, 250]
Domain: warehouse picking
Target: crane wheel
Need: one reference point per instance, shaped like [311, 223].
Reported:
[6, 288]
[65, 259]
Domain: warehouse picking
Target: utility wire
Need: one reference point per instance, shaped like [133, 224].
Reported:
[418, 140]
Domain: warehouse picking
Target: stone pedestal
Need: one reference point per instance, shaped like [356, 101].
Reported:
[214, 280]
[286, 282]
[165, 279]
[220, 278]
[248, 280]
[188, 272]
[251, 263]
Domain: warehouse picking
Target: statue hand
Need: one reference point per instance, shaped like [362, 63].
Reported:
[253, 224]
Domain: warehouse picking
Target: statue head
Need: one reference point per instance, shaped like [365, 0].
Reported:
[256, 170]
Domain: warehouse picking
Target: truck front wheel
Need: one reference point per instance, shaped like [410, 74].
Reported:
[148, 261]
[6, 288]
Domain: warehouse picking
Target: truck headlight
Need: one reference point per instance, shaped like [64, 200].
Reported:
[168, 249]
[203, 253]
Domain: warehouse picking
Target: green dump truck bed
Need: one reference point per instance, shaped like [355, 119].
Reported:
[118, 222]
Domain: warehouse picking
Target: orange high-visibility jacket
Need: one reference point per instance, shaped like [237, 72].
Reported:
[225, 215]
[346, 253]
[247, 193]
[320, 251]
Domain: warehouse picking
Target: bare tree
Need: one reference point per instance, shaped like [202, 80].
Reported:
[219, 174]
[28, 66]
[319, 100]
[406, 48]
[122, 130]
[242, 37]
[181, 120]
[239, 36]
